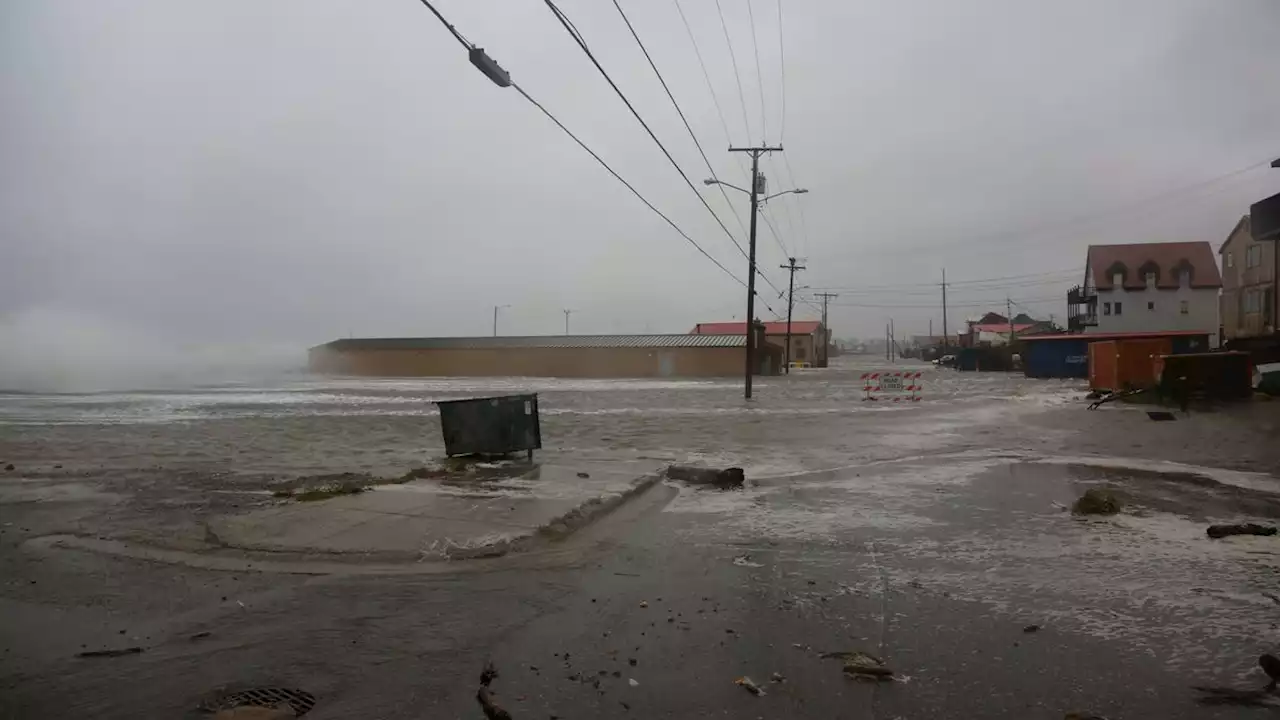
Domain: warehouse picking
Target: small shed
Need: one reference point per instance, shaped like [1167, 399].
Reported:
[1067, 355]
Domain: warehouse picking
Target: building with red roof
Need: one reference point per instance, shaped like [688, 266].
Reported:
[809, 339]
[1148, 287]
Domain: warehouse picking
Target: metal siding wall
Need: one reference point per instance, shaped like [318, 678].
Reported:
[534, 362]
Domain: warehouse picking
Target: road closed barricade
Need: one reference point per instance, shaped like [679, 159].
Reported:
[893, 386]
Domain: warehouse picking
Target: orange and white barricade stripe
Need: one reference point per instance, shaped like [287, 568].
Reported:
[895, 386]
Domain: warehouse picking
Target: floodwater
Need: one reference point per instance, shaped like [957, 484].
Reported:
[811, 419]
[960, 498]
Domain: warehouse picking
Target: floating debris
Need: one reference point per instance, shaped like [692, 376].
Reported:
[746, 683]
[745, 561]
[1031, 629]
[777, 677]
[632, 682]
[1218, 532]
[583, 475]
[1097, 501]
[491, 709]
[858, 664]
[727, 478]
[109, 653]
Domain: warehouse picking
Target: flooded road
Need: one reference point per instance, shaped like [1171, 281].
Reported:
[930, 534]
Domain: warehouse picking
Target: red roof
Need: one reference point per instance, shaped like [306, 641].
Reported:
[1166, 260]
[798, 327]
[1002, 327]
[1119, 335]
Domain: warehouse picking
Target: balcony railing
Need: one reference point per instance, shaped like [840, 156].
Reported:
[1082, 308]
[1081, 296]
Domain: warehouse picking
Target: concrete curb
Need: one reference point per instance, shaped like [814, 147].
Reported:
[561, 527]
[237, 558]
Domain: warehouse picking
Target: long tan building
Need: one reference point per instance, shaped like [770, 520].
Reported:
[594, 356]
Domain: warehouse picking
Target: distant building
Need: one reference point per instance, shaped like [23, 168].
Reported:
[994, 329]
[1248, 285]
[594, 356]
[1147, 287]
[808, 337]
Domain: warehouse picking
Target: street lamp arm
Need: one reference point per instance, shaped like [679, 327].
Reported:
[797, 191]
[721, 182]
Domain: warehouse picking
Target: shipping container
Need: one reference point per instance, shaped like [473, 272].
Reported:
[1067, 356]
[1056, 358]
[1215, 376]
[1126, 364]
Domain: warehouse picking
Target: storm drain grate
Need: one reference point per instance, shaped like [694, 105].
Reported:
[300, 701]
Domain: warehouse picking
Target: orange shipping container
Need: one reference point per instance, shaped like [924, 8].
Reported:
[1126, 364]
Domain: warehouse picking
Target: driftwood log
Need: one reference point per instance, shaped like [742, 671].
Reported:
[714, 477]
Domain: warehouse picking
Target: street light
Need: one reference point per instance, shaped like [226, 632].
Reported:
[797, 191]
[496, 308]
[757, 187]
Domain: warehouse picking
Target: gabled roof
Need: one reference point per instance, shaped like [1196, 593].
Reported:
[778, 327]
[1001, 327]
[537, 341]
[1241, 229]
[1165, 259]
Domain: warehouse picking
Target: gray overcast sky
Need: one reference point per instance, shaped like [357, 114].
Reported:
[250, 173]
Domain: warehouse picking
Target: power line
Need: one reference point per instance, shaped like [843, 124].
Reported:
[705, 75]
[768, 222]
[804, 225]
[582, 44]
[684, 120]
[472, 48]
[1054, 229]
[934, 306]
[957, 282]
[736, 76]
[465, 42]
[620, 179]
[994, 287]
[755, 48]
[782, 69]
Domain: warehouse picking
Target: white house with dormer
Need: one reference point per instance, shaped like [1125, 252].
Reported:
[1148, 287]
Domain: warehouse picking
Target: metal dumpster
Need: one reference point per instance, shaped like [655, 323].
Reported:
[490, 426]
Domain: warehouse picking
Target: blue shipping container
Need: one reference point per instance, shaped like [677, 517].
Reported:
[1056, 358]
[1062, 356]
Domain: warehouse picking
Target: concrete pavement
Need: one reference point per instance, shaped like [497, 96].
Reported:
[444, 518]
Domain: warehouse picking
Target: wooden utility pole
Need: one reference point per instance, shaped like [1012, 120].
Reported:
[567, 313]
[826, 329]
[893, 342]
[1008, 308]
[886, 342]
[944, 311]
[791, 295]
[757, 187]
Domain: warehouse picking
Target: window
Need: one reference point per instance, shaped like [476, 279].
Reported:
[1231, 260]
[1184, 308]
[1251, 301]
[799, 353]
[1253, 256]
[1151, 305]
[1118, 307]
[1106, 308]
